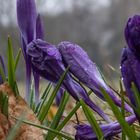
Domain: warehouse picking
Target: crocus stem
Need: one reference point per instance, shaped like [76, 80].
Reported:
[118, 102]
[36, 86]
[28, 81]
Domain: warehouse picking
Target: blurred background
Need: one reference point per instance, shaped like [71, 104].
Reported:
[96, 25]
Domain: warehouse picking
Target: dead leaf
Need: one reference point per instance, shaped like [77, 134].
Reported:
[17, 106]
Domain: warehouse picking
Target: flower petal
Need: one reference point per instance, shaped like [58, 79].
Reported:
[85, 70]
[39, 28]
[47, 61]
[85, 132]
[26, 16]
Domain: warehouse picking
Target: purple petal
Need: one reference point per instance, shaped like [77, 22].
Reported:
[85, 132]
[85, 70]
[132, 33]
[130, 67]
[81, 65]
[39, 28]
[26, 16]
[46, 60]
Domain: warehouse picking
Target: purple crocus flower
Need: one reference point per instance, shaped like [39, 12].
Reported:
[85, 132]
[132, 33]
[30, 28]
[130, 62]
[130, 67]
[46, 60]
[85, 70]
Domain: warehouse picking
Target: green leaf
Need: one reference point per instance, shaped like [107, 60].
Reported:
[43, 99]
[137, 98]
[2, 74]
[14, 130]
[46, 108]
[92, 120]
[122, 107]
[17, 60]
[69, 116]
[11, 75]
[32, 98]
[59, 114]
[125, 126]
[46, 128]
[4, 103]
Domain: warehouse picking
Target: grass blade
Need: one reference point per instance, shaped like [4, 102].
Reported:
[46, 108]
[43, 99]
[125, 126]
[4, 103]
[69, 116]
[17, 60]
[14, 130]
[137, 98]
[123, 107]
[2, 74]
[46, 128]
[59, 114]
[11, 76]
[92, 120]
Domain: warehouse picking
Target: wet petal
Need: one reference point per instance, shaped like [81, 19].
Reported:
[47, 62]
[85, 70]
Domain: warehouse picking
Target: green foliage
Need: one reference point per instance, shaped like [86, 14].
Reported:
[4, 103]
[137, 98]
[125, 126]
[46, 128]
[47, 106]
[92, 120]
[11, 66]
[59, 114]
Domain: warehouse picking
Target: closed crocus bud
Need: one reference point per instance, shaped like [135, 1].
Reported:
[132, 33]
[130, 70]
[46, 61]
[82, 66]
[85, 132]
[85, 70]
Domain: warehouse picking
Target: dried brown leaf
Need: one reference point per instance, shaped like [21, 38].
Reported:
[17, 107]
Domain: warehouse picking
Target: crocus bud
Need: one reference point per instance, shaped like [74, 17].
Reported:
[132, 33]
[82, 66]
[85, 132]
[85, 70]
[46, 61]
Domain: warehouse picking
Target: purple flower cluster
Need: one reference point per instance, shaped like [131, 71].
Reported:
[130, 62]
[50, 62]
